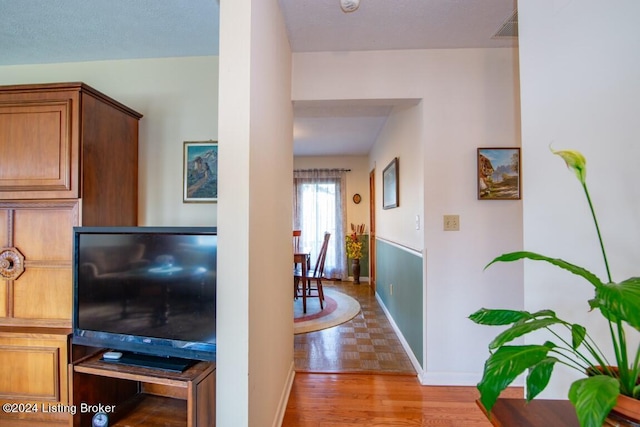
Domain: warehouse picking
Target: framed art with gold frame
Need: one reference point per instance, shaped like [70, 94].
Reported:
[200, 178]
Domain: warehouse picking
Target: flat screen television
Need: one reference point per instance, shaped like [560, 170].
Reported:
[146, 292]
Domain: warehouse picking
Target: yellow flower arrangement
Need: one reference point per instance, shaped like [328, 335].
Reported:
[354, 245]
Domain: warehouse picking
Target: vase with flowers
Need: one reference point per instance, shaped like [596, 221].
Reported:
[354, 250]
[606, 387]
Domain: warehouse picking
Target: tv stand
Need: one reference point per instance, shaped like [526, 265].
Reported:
[170, 364]
[144, 396]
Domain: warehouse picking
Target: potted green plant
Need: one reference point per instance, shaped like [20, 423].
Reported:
[605, 383]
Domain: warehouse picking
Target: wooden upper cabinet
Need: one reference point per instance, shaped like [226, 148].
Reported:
[35, 147]
[67, 140]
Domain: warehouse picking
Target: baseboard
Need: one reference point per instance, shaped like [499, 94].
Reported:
[458, 379]
[284, 397]
[450, 378]
[403, 341]
[364, 279]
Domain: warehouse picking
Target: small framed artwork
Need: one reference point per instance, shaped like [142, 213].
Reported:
[390, 185]
[499, 174]
[200, 179]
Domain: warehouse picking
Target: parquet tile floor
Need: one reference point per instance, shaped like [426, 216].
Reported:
[365, 344]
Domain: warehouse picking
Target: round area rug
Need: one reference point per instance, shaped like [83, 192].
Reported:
[338, 308]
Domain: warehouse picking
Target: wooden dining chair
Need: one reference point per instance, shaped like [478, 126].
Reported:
[312, 283]
[296, 238]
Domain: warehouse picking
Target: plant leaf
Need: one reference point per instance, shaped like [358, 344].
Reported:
[636, 392]
[544, 313]
[520, 329]
[593, 397]
[504, 366]
[486, 316]
[620, 301]
[515, 256]
[578, 333]
[539, 376]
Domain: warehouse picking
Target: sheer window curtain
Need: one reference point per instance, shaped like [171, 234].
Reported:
[319, 201]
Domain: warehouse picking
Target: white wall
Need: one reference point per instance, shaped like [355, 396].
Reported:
[357, 182]
[469, 99]
[475, 105]
[255, 343]
[178, 98]
[401, 137]
[580, 63]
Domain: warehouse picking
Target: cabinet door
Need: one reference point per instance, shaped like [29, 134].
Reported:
[33, 378]
[38, 148]
[40, 232]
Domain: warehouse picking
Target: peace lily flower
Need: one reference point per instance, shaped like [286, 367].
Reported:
[575, 161]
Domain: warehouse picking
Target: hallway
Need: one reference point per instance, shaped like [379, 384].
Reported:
[365, 344]
[358, 373]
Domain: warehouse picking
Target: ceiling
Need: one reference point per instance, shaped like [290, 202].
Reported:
[52, 31]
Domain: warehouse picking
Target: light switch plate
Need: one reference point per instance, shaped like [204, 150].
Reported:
[452, 223]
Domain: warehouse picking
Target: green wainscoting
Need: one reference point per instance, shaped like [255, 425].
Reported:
[364, 261]
[403, 269]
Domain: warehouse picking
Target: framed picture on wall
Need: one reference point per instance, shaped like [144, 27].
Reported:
[499, 174]
[390, 185]
[200, 164]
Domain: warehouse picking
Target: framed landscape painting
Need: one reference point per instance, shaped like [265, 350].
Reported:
[499, 174]
[200, 180]
[390, 185]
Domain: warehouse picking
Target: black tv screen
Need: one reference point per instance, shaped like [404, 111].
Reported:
[147, 290]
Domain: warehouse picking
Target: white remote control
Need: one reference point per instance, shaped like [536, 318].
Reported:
[112, 355]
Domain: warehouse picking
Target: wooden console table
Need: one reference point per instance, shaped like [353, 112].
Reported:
[142, 396]
[541, 413]
[536, 413]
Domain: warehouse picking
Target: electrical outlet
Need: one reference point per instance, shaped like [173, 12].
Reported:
[391, 289]
[451, 222]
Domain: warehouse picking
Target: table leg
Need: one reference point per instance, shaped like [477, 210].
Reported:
[304, 286]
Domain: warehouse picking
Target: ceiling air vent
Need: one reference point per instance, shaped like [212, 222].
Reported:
[509, 28]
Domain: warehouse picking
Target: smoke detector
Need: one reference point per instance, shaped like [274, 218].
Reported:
[349, 5]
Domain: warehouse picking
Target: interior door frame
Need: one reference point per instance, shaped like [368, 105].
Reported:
[372, 229]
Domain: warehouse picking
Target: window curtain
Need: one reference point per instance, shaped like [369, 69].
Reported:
[319, 201]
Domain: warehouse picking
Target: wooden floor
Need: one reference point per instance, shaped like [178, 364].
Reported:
[344, 400]
[357, 374]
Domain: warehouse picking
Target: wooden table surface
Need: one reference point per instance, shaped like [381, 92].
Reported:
[537, 413]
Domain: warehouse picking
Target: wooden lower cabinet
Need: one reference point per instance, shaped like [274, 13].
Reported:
[40, 233]
[34, 377]
[137, 396]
